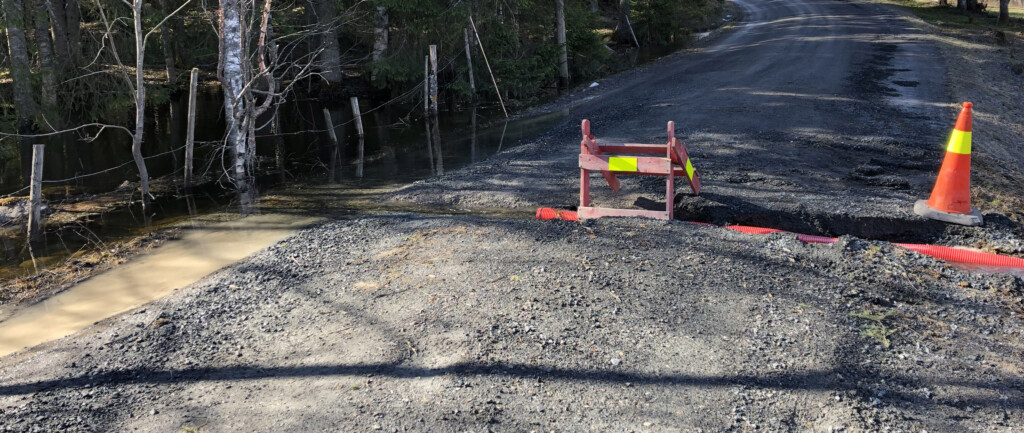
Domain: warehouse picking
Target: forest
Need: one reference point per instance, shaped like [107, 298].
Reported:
[72, 71]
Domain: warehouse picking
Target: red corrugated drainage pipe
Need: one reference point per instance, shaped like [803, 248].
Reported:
[958, 255]
[948, 254]
[546, 213]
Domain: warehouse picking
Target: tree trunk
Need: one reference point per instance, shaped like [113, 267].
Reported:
[47, 68]
[231, 79]
[972, 5]
[593, 5]
[58, 19]
[330, 58]
[380, 36]
[140, 105]
[622, 31]
[167, 40]
[74, 29]
[24, 105]
[1004, 12]
[180, 39]
[563, 59]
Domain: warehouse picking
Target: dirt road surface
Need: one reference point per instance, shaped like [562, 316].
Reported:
[813, 115]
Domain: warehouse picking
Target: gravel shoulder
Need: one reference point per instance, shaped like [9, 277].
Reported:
[431, 322]
[410, 323]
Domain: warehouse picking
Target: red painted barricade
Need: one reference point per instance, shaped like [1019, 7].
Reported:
[614, 159]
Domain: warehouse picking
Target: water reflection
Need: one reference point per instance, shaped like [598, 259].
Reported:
[430, 148]
[295, 146]
[361, 158]
[472, 139]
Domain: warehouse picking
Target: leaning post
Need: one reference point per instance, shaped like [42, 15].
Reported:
[35, 194]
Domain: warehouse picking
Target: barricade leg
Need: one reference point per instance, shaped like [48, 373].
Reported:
[584, 187]
[670, 191]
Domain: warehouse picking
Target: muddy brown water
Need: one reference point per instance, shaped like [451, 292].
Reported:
[395, 153]
[209, 246]
[146, 278]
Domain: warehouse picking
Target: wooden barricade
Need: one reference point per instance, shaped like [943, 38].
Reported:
[615, 159]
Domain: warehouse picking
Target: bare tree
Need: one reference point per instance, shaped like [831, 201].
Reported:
[252, 90]
[138, 87]
[1004, 12]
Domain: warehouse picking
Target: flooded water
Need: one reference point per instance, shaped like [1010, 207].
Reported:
[395, 151]
[322, 181]
[396, 154]
[147, 277]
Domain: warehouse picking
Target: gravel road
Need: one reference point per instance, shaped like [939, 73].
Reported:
[415, 322]
[824, 117]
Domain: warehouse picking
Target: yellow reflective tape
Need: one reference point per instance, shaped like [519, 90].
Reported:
[616, 163]
[689, 168]
[960, 142]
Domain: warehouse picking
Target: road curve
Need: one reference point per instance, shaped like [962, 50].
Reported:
[825, 116]
[794, 64]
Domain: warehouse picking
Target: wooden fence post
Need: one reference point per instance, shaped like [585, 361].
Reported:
[430, 147]
[334, 142]
[359, 166]
[190, 135]
[472, 142]
[433, 79]
[275, 129]
[36, 192]
[469, 62]
[359, 117]
[426, 86]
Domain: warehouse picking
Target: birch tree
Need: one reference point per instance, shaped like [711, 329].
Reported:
[248, 92]
[232, 39]
[380, 36]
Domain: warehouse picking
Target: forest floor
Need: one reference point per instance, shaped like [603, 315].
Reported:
[818, 116]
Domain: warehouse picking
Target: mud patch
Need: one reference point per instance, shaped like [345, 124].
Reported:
[722, 210]
[870, 80]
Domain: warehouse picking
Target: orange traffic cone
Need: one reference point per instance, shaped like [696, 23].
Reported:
[951, 198]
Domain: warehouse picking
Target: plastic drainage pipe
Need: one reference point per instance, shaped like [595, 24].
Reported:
[958, 255]
[948, 254]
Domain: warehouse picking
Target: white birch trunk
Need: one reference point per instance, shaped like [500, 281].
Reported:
[140, 104]
[380, 37]
[232, 82]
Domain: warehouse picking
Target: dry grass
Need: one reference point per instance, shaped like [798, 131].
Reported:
[951, 17]
[983, 64]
